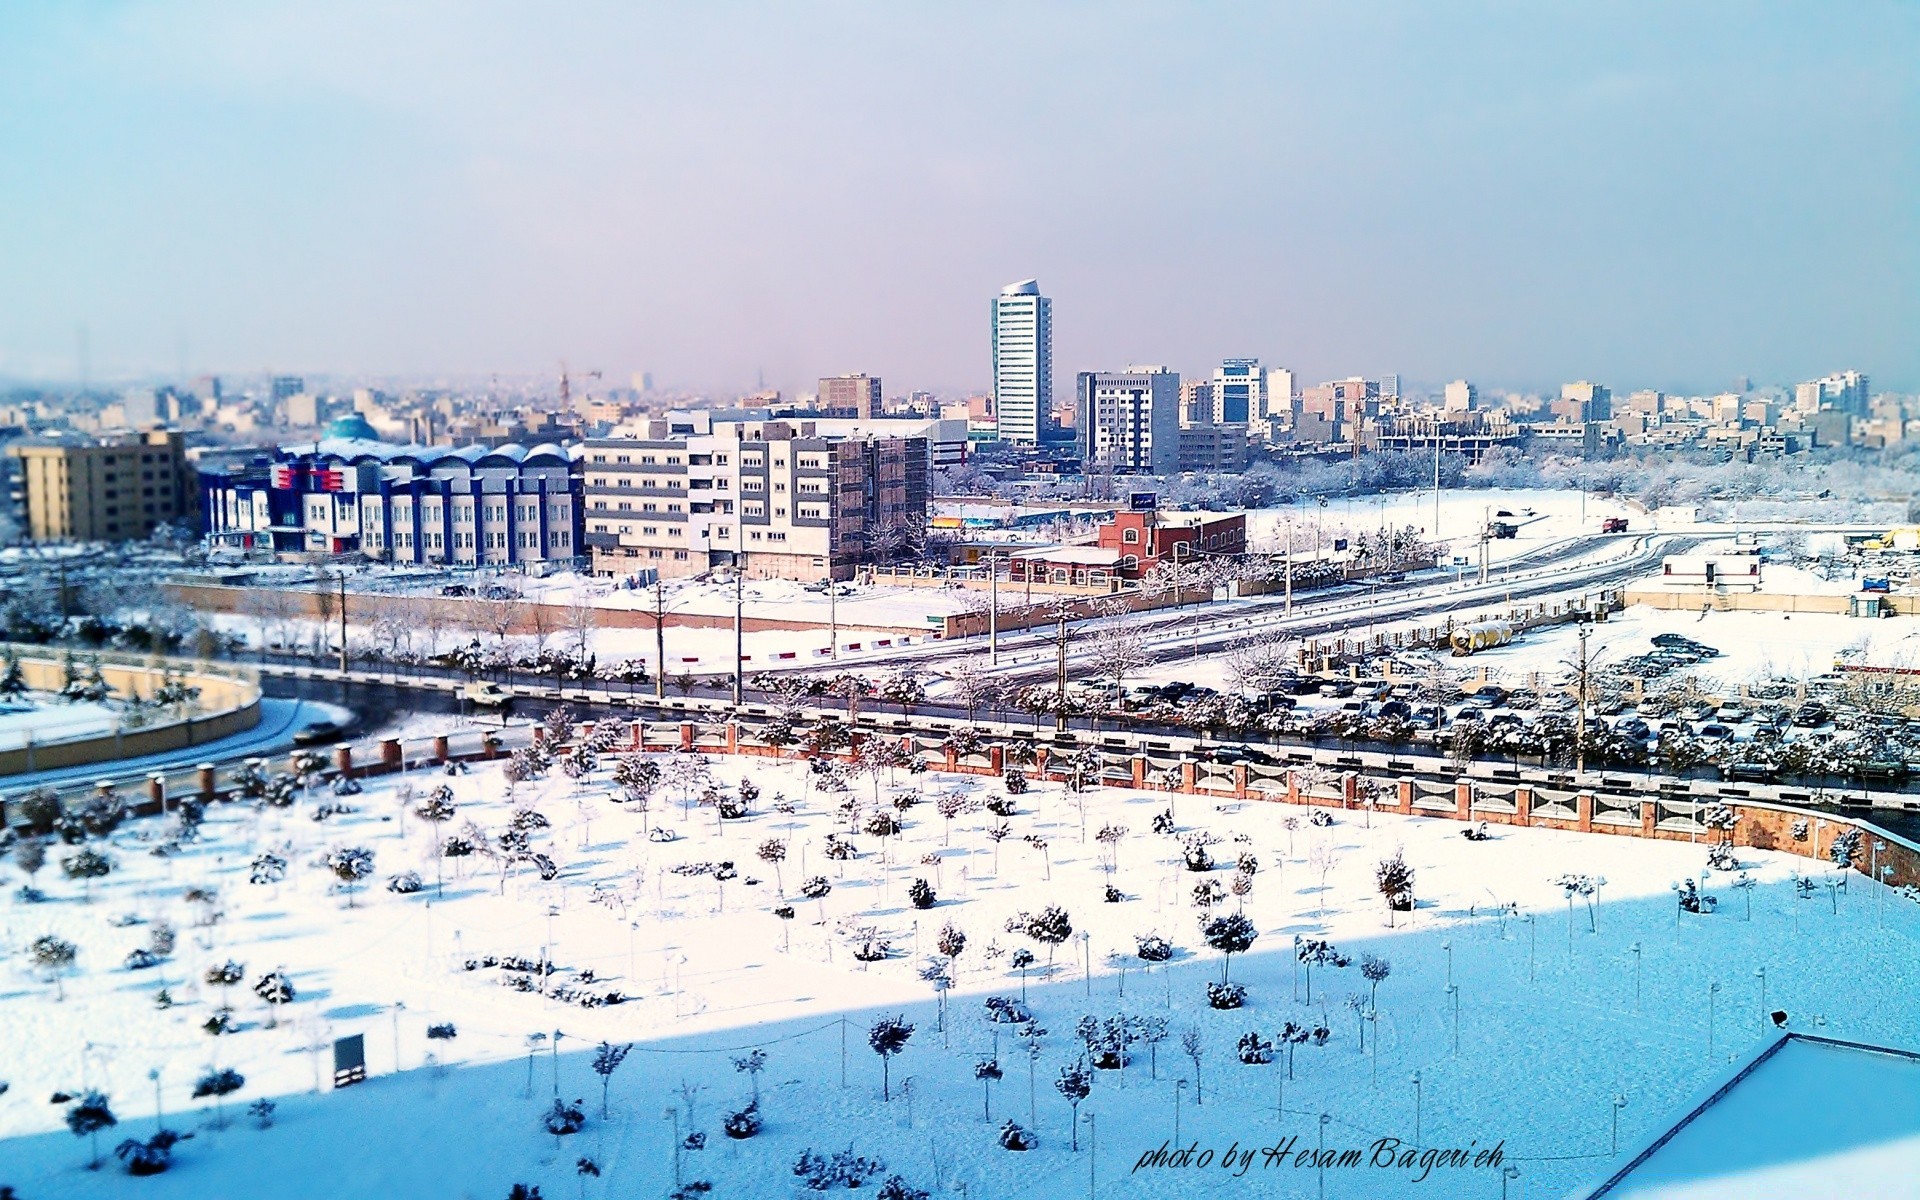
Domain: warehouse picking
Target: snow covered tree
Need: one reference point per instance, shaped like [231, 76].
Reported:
[1394, 878]
[1375, 971]
[1844, 848]
[1230, 935]
[54, 956]
[350, 865]
[1076, 1084]
[1318, 952]
[888, 1037]
[218, 1083]
[606, 1060]
[1051, 926]
[276, 989]
[86, 866]
[920, 894]
[224, 976]
[816, 889]
[29, 855]
[1193, 1048]
[773, 852]
[89, 1115]
[1585, 886]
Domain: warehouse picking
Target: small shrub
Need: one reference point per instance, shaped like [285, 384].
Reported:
[1013, 1137]
[920, 894]
[1254, 1050]
[151, 1157]
[1002, 806]
[743, 1124]
[1151, 947]
[1226, 995]
[565, 1118]
[406, 883]
[442, 1033]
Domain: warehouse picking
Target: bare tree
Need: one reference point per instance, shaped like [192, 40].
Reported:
[273, 611]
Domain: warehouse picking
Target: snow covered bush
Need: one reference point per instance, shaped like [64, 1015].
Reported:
[920, 894]
[1194, 852]
[1016, 783]
[1112, 894]
[350, 865]
[888, 1037]
[261, 1111]
[1225, 995]
[896, 1188]
[442, 1033]
[743, 1124]
[406, 883]
[218, 1083]
[1208, 892]
[1005, 1010]
[1230, 935]
[1151, 947]
[564, 1118]
[1800, 829]
[1253, 1049]
[88, 1116]
[1320, 818]
[845, 1169]
[141, 959]
[151, 1157]
[1014, 1137]
[1844, 848]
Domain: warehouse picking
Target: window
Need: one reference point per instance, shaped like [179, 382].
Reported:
[1130, 536]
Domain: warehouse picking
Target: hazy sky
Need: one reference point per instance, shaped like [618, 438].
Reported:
[1648, 195]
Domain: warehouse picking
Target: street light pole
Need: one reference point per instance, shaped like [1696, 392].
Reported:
[993, 608]
[739, 636]
[659, 636]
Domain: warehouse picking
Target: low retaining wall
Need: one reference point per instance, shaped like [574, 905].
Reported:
[227, 705]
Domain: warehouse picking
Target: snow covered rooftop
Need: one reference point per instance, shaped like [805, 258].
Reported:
[1807, 1117]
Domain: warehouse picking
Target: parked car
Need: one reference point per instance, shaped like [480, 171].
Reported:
[1715, 731]
[1396, 708]
[1811, 714]
[1635, 728]
[1748, 772]
[1488, 696]
[1339, 689]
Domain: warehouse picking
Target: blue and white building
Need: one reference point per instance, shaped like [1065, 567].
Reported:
[473, 505]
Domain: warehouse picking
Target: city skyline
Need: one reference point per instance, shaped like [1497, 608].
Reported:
[1517, 198]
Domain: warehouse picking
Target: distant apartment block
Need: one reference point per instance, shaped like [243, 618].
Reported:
[1460, 397]
[1128, 422]
[111, 490]
[1582, 401]
[1022, 361]
[855, 396]
[1845, 392]
[776, 497]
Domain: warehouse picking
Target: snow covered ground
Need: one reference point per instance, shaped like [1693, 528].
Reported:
[1558, 1009]
[1463, 513]
[45, 718]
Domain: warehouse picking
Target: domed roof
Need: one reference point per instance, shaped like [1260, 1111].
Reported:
[353, 426]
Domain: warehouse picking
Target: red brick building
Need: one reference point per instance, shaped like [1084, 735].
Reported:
[1146, 539]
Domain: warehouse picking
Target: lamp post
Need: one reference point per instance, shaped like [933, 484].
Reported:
[1636, 975]
[1448, 947]
[1179, 1086]
[673, 1114]
[1453, 994]
[1416, 1110]
[1619, 1102]
[1506, 1173]
[1760, 973]
[1325, 1120]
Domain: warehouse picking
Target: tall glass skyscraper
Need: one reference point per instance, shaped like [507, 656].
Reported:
[1022, 361]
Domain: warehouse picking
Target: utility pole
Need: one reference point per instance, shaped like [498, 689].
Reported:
[1289, 605]
[833, 612]
[660, 636]
[993, 609]
[1060, 675]
[1580, 732]
[341, 578]
[739, 639]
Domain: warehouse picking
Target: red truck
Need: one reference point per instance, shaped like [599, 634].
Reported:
[1613, 525]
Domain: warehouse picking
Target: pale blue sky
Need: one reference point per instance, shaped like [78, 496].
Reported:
[1649, 195]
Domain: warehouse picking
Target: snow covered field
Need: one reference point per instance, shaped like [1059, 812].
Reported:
[1558, 1010]
[1463, 513]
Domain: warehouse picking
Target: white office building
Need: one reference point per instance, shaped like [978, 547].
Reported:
[1128, 422]
[1461, 396]
[1022, 361]
[1239, 391]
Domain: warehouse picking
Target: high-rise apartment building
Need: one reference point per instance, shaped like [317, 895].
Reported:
[1239, 391]
[282, 386]
[1583, 401]
[1196, 402]
[1022, 361]
[1460, 396]
[1128, 422]
[856, 396]
[113, 490]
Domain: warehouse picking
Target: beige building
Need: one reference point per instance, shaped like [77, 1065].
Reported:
[782, 498]
[856, 396]
[113, 490]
